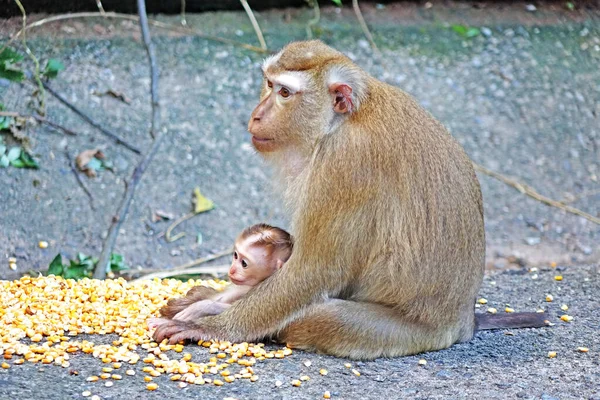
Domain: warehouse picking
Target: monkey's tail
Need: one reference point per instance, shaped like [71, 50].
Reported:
[511, 321]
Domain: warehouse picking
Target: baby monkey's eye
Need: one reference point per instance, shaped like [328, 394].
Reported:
[244, 264]
[284, 92]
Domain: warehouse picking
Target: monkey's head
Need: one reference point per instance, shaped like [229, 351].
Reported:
[308, 90]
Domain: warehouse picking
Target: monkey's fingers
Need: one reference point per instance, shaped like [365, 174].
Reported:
[167, 330]
[190, 334]
[156, 322]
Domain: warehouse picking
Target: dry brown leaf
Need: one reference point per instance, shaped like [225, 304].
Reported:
[85, 157]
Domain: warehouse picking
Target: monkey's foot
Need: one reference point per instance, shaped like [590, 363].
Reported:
[156, 322]
[177, 331]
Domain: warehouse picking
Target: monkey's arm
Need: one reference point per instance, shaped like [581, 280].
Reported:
[201, 309]
[265, 309]
[197, 293]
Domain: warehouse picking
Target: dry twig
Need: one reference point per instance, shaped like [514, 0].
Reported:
[529, 191]
[255, 25]
[79, 180]
[39, 119]
[155, 132]
[110, 14]
[90, 121]
[218, 269]
[36, 63]
[168, 236]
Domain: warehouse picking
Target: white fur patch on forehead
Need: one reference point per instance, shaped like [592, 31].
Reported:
[271, 60]
[352, 76]
[296, 81]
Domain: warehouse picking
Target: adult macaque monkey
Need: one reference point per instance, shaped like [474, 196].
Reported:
[258, 252]
[386, 211]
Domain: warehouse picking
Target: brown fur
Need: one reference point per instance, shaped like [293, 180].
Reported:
[386, 213]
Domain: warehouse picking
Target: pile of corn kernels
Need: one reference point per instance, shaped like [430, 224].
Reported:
[41, 318]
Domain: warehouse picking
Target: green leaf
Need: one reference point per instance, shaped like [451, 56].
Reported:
[14, 154]
[4, 161]
[337, 2]
[18, 163]
[117, 262]
[94, 164]
[465, 31]
[11, 74]
[5, 122]
[10, 56]
[75, 273]
[56, 266]
[570, 5]
[53, 67]
[28, 161]
[2, 149]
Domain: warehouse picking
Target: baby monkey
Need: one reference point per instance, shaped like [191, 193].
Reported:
[258, 252]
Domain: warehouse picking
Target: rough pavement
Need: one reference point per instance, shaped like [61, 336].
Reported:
[523, 98]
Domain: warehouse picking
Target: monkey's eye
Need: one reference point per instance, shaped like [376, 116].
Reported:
[284, 92]
[270, 84]
[235, 256]
[244, 264]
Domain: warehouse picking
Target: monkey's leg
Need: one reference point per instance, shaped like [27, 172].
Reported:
[361, 331]
[197, 293]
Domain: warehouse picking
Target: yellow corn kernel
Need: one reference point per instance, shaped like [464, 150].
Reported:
[422, 362]
[130, 372]
[109, 383]
[296, 383]
[116, 377]
[551, 354]
[492, 310]
[355, 372]
[147, 378]
[105, 375]
[218, 382]
[549, 298]
[253, 378]
[43, 244]
[583, 349]
[509, 310]
[229, 379]
[327, 395]
[564, 307]
[566, 318]
[278, 383]
[482, 301]
[152, 386]
[305, 378]
[107, 369]
[348, 365]
[92, 378]
[5, 365]
[323, 371]
[87, 393]
[558, 278]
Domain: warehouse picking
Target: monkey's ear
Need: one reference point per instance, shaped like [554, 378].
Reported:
[342, 98]
[279, 263]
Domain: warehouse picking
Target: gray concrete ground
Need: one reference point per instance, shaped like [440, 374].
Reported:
[523, 98]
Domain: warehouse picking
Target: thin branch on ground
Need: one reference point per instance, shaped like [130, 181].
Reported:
[581, 196]
[183, 20]
[79, 180]
[110, 14]
[155, 132]
[36, 63]
[255, 25]
[100, 7]
[364, 26]
[529, 191]
[168, 236]
[315, 20]
[184, 268]
[216, 270]
[90, 121]
[39, 119]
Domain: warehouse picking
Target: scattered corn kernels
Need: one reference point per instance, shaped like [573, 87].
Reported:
[305, 378]
[43, 244]
[558, 278]
[323, 371]
[566, 318]
[482, 301]
[492, 310]
[583, 349]
[348, 365]
[551, 354]
[564, 307]
[5, 365]
[87, 393]
[549, 298]
[296, 383]
[355, 372]
[422, 362]
[152, 386]
[327, 395]
[509, 310]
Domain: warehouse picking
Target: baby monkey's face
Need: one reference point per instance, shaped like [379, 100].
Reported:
[251, 264]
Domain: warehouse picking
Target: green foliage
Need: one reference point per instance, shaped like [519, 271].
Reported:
[8, 65]
[337, 2]
[465, 31]
[53, 67]
[570, 5]
[17, 157]
[83, 266]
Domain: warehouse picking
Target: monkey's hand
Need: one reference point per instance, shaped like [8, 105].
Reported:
[177, 331]
[201, 309]
[156, 322]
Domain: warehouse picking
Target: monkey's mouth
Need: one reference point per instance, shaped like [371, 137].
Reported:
[256, 139]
